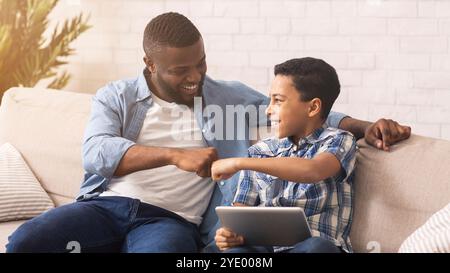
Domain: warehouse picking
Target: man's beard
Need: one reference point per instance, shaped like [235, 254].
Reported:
[176, 95]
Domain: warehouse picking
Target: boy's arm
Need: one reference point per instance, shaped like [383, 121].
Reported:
[336, 153]
[237, 204]
[292, 169]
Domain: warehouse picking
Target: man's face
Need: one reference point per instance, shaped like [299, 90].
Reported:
[178, 73]
[288, 114]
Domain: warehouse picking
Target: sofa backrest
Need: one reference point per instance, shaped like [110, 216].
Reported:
[397, 191]
[47, 127]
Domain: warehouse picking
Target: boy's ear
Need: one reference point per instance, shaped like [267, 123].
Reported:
[315, 106]
[150, 64]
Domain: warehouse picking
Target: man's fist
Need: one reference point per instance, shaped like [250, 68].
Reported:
[195, 160]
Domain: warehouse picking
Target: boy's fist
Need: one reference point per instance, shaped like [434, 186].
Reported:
[224, 168]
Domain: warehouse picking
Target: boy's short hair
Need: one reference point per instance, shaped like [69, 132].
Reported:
[313, 78]
[169, 29]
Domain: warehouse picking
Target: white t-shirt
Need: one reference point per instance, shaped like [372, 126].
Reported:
[184, 193]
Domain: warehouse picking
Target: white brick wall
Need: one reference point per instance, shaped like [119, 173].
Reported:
[392, 57]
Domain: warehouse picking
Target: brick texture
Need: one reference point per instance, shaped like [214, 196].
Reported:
[392, 56]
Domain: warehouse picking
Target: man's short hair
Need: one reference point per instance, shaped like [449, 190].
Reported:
[169, 29]
[313, 78]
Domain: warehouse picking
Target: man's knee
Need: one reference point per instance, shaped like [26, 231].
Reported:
[40, 234]
[164, 235]
[26, 239]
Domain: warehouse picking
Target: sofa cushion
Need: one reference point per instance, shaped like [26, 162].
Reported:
[6, 229]
[21, 195]
[47, 127]
[397, 191]
[432, 237]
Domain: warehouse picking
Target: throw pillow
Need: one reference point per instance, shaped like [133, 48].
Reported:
[21, 195]
[433, 236]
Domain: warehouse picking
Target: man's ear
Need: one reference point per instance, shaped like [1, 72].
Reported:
[150, 64]
[315, 107]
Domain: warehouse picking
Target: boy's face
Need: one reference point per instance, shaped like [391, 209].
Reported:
[288, 114]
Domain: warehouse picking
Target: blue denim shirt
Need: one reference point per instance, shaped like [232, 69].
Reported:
[117, 115]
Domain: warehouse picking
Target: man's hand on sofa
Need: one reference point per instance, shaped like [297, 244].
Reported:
[386, 132]
[380, 134]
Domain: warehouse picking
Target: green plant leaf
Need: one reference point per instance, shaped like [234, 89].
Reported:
[26, 57]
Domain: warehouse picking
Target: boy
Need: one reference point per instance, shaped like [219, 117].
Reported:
[306, 165]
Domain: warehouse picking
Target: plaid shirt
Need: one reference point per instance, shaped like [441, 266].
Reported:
[328, 204]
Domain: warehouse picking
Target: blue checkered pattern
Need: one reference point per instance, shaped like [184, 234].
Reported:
[328, 204]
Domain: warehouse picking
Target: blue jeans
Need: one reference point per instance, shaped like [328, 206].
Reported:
[106, 224]
[311, 245]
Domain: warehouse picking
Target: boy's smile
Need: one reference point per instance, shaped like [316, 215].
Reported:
[289, 115]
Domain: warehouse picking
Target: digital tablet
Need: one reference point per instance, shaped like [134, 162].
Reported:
[266, 226]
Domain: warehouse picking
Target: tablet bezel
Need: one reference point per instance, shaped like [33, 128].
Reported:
[266, 226]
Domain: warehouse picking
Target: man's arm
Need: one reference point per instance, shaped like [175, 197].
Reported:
[107, 153]
[139, 158]
[103, 145]
[380, 134]
[354, 126]
[292, 169]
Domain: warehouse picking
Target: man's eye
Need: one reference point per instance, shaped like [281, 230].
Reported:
[177, 72]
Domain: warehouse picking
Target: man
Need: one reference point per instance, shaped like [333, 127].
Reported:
[144, 189]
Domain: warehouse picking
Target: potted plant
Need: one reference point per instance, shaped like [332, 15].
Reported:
[26, 56]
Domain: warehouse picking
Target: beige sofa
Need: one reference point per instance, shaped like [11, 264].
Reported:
[396, 192]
